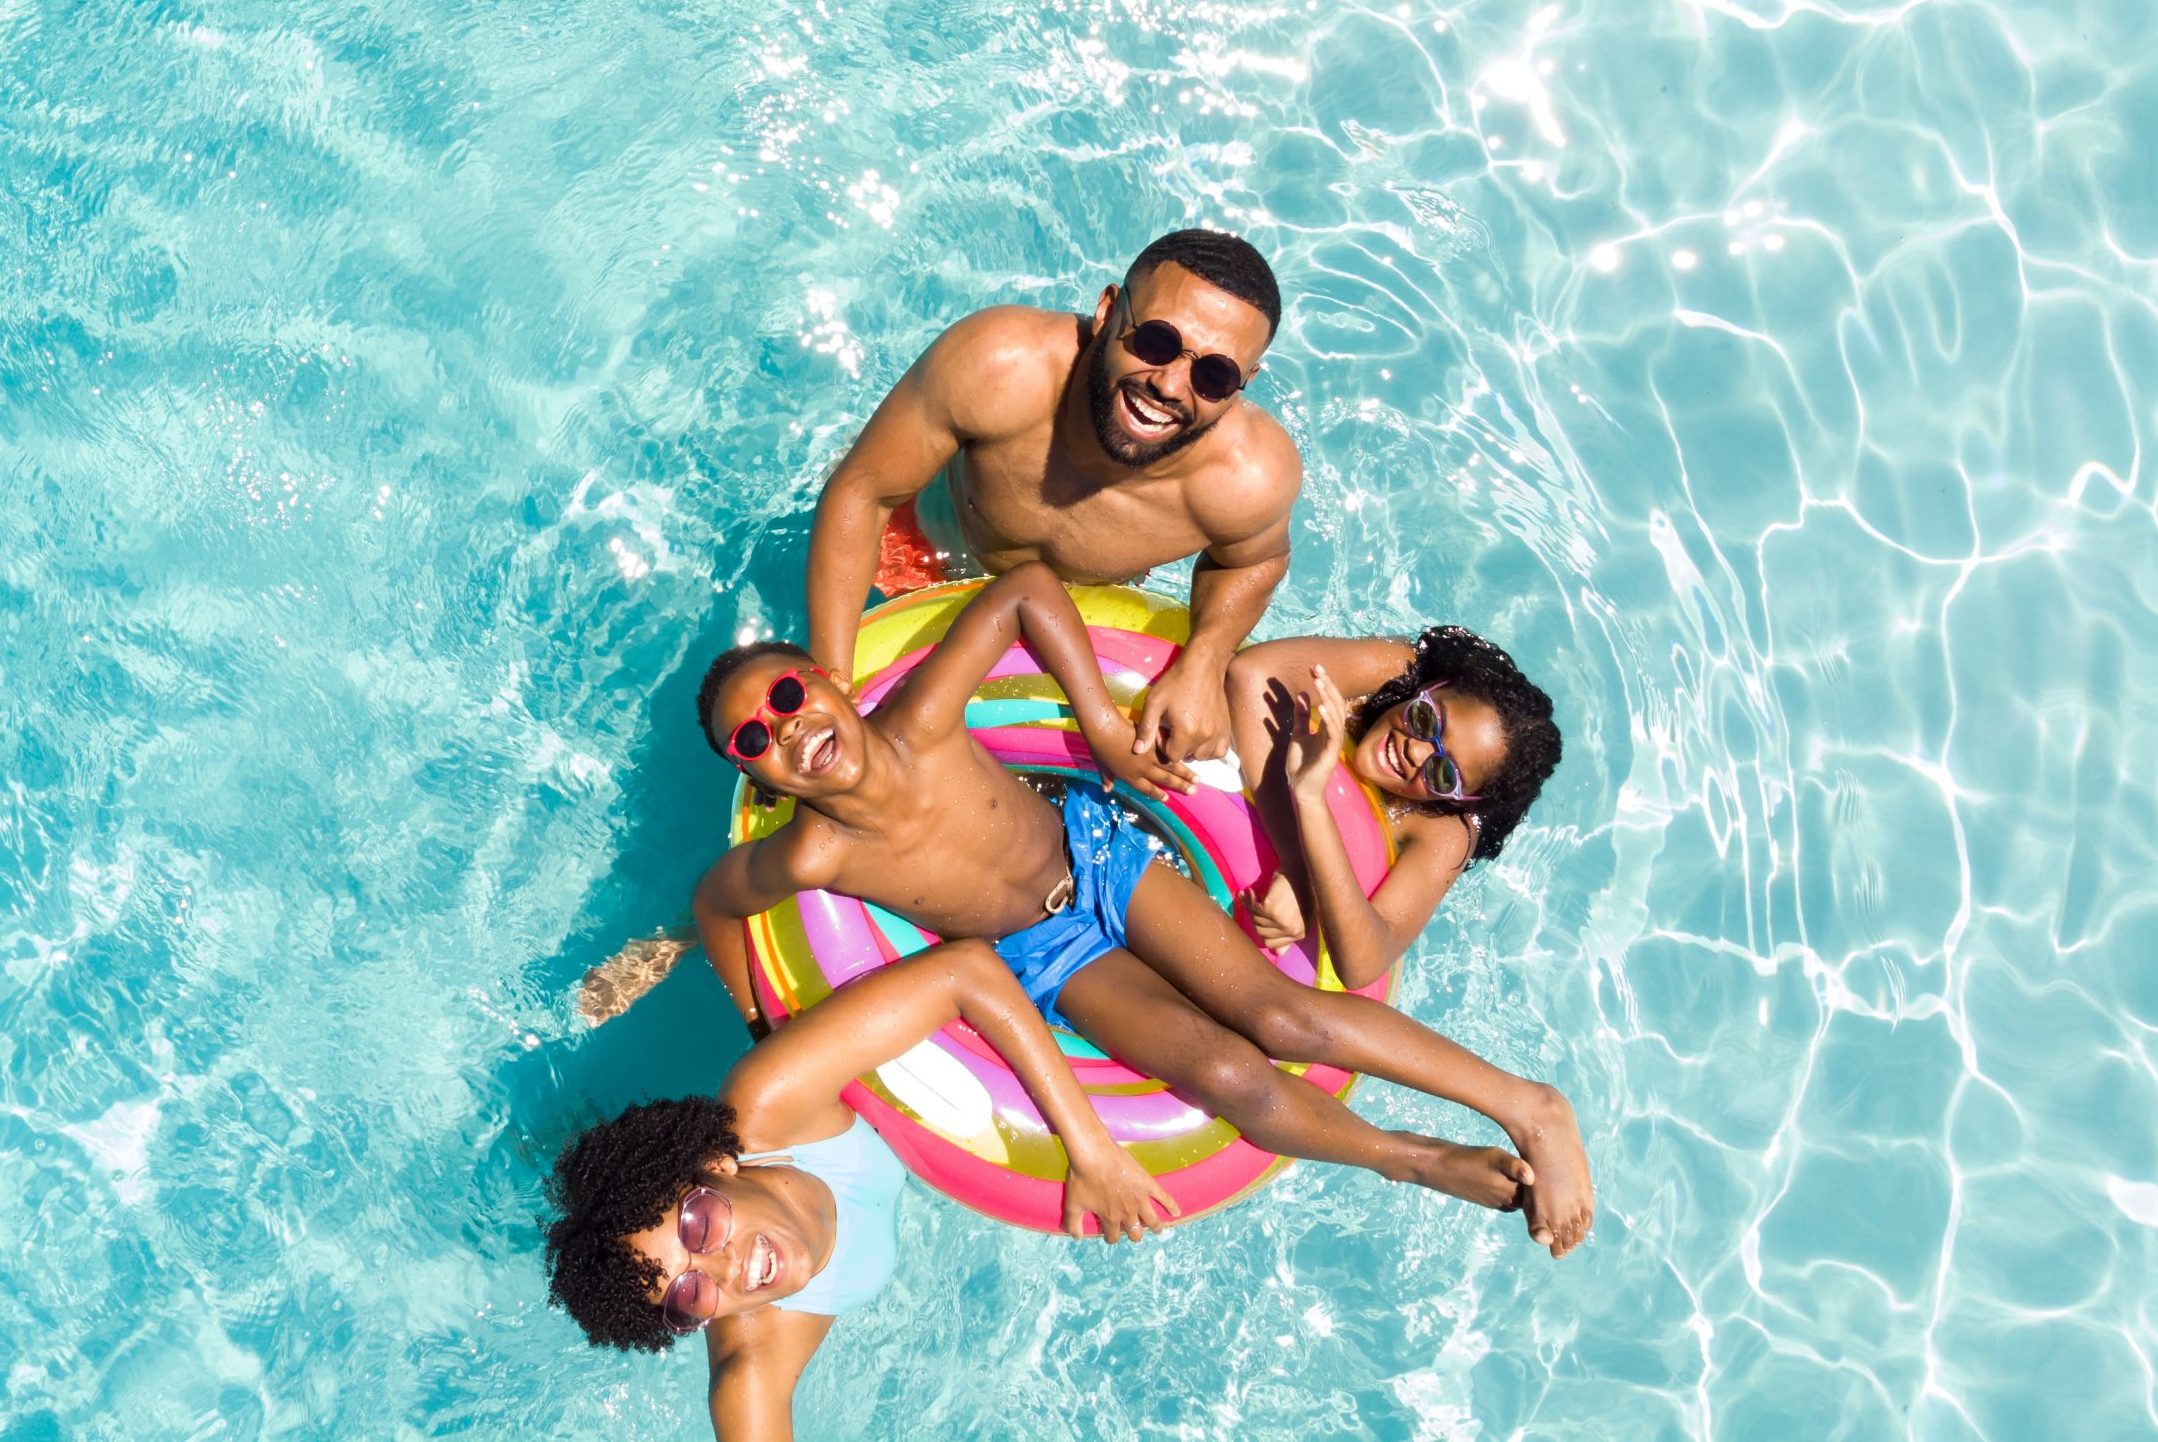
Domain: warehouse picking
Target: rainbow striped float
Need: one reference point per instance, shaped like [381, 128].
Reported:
[951, 1108]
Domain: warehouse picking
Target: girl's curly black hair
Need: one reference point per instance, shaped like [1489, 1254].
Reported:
[1472, 666]
[617, 1178]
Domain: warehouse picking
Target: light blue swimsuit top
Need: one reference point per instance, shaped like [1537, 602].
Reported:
[865, 1179]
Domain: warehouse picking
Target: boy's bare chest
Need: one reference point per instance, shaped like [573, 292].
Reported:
[973, 852]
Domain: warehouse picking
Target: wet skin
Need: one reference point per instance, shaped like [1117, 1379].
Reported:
[1073, 452]
[905, 809]
[929, 826]
[1280, 687]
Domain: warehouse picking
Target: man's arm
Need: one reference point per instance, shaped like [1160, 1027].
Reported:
[972, 382]
[1229, 595]
[905, 444]
[756, 1361]
[1185, 714]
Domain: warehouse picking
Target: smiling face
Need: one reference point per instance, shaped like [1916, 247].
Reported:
[1391, 757]
[757, 1247]
[1144, 413]
[816, 751]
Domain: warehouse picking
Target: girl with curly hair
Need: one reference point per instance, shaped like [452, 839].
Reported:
[1456, 739]
[761, 1216]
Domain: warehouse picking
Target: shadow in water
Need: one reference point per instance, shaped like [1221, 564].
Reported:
[683, 1036]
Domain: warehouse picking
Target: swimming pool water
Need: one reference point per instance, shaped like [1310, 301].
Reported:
[400, 402]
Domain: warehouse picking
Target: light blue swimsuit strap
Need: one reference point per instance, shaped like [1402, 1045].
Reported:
[866, 1180]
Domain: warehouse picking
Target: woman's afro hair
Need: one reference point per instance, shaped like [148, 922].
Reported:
[618, 1178]
[1472, 666]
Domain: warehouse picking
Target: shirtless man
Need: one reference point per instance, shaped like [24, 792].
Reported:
[1102, 445]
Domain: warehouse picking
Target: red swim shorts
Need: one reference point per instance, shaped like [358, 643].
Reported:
[906, 559]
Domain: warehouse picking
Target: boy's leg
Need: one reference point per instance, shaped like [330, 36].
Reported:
[1173, 927]
[1126, 1009]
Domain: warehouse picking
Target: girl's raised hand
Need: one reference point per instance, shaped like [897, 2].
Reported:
[1316, 735]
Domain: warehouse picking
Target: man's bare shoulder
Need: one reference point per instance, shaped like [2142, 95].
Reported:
[1002, 369]
[1251, 482]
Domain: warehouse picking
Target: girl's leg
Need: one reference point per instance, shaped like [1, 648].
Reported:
[1126, 1009]
[1174, 928]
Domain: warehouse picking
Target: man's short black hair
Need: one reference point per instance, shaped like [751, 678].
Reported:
[728, 663]
[1226, 262]
[615, 1180]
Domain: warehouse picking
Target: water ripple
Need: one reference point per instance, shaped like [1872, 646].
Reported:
[400, 403]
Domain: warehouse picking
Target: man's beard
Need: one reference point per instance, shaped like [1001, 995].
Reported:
[1122, 448]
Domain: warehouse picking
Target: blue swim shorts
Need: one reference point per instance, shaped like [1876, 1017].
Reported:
[1108, 854]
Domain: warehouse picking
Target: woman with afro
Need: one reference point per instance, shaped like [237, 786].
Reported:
[761, 1216]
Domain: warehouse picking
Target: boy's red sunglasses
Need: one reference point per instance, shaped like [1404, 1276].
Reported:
[784, 697]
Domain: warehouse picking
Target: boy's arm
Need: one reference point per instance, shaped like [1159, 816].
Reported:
[752, 878]
[1026, 602]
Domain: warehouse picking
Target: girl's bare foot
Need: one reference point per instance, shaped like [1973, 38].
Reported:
[1488, 1176]
[1560, 1204]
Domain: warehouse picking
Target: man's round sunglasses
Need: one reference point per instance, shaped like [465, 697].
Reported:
[784, 697]
[1214, 376]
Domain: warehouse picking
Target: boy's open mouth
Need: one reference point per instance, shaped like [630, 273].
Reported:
[819, 750]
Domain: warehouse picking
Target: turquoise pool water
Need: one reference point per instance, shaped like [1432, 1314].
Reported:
[399, 403]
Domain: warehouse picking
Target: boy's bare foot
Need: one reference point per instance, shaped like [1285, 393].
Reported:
[1560, 1204]
[1488, 1176]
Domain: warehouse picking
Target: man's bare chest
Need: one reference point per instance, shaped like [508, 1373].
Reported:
[1020, 504]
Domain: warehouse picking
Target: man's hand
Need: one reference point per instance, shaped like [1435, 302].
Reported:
[1122, 759]
[1186, 715]
[1106, 1181]
[1276, 915]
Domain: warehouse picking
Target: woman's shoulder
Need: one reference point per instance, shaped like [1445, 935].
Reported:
[826, 1133]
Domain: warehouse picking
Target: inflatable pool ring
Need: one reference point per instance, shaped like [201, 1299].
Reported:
[950, 1107]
